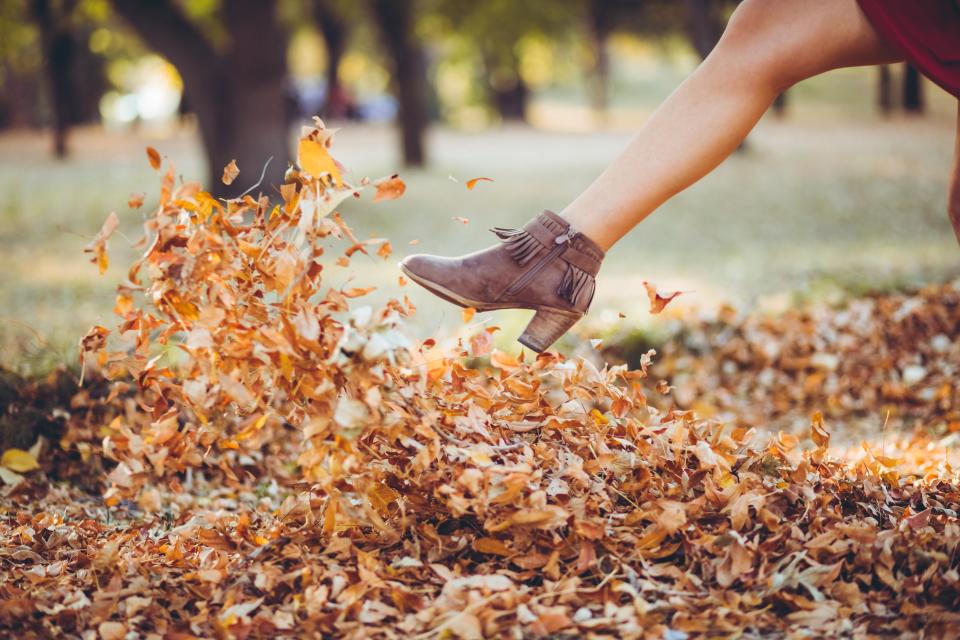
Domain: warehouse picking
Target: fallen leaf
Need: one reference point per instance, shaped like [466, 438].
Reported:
[19, 460]
[112, 630]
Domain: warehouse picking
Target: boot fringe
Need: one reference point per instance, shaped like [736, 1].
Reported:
[522, 246]
[573, 284]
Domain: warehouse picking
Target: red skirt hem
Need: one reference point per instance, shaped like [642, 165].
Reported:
[926, 32]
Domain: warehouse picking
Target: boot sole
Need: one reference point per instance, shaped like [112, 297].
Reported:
[545, 328]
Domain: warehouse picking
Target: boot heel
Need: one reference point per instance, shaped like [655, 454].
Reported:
[545, 328]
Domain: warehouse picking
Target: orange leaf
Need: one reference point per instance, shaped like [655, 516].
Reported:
[468, 314]
[473, 182]
[491, 546]
[154, 157]
[385, 250]
[317, 161]
[230, 172]
[98, 246]
[658, 300]
[461, 219]
[389, 188]
[356, 292]
[481, 343]
[135, 201]
[818, 431]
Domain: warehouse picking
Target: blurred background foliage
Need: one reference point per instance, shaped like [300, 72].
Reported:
[243, 70]
[841, 186]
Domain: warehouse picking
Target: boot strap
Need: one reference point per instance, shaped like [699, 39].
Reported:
[540, 237]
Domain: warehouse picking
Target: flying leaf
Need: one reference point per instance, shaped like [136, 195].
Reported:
[317, 161]
[468, 313]
[461, 219]
[98, 246]
[136, 200]
[389, 188]
[818, 431]
[658, 300]
[481, 344]
[356, 292]
[154, 157]
[230, 172]
[473, 182]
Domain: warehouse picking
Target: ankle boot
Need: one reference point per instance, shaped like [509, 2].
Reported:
[546, 266]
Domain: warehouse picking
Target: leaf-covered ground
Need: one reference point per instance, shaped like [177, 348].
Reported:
[255, 454]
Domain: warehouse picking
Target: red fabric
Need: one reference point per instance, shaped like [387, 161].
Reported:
[927, 32]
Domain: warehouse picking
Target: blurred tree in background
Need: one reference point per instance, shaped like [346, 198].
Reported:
[245, 71]
[49, 74]
[233, 61]
[497, 31]
[396, 20]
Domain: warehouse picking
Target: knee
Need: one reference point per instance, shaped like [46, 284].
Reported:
[752, 43]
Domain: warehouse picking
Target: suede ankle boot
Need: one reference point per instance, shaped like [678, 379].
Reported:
[546, 266]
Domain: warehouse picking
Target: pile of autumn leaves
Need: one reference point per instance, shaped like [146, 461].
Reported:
[884, 361]
[514, 496]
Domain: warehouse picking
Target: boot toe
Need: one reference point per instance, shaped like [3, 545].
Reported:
[424, 266]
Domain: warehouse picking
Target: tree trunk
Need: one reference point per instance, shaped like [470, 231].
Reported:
[506, 89]
[600, 24]
[239, 95]
[335, 32]
[511, 102]
[913, 101]
[58, 52]
[884, 90]
[396, 21]
[704, 25]
[779, 106]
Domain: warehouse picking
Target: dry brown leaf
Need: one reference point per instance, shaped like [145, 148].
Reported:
[658, 300]
[230, 172]
[154, 157]
[389, 188]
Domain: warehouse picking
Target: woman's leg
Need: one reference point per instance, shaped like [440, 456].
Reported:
[768, 46]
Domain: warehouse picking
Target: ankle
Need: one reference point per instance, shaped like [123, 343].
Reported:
[589, 226]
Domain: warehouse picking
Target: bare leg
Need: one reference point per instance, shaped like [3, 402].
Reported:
[768, 46]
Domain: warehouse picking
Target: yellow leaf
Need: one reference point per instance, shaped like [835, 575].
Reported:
[598, 417]
[19, 460]
[317, 161]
